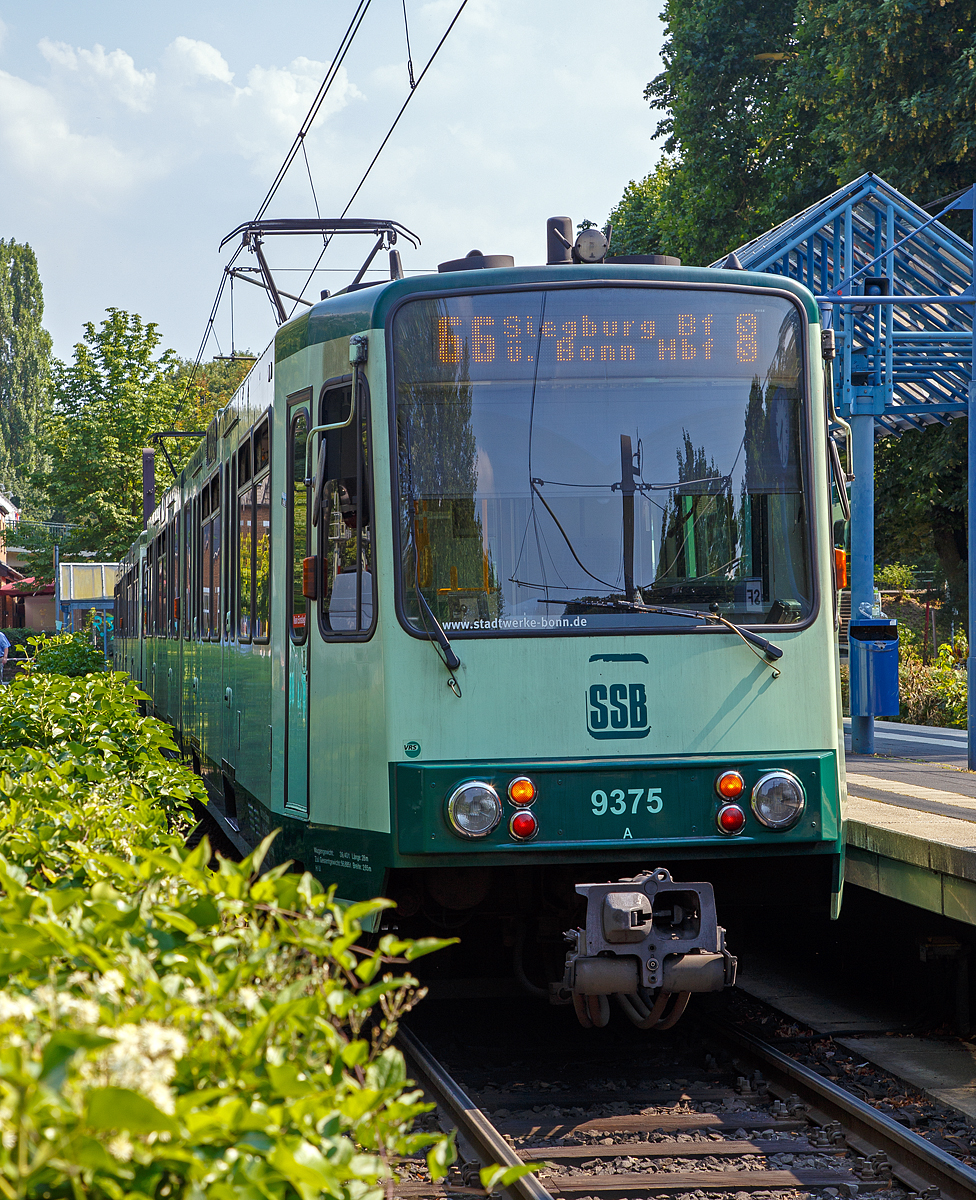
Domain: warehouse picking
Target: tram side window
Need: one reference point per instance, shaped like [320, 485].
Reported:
[254, 537]
[186, 615]
[205, 561]
[145, 595]
[215, 626]
[345, 538]
[162, 563]
[298, 526]
[245, 539]
[262, 559]
[174, 569]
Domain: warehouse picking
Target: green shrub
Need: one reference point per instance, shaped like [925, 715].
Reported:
[18, 638]
[167, 1030]
[896, 577]
[198, 1034]
[81, 771]
[65, 654]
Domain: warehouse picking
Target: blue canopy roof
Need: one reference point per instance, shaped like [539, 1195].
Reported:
[908, 363]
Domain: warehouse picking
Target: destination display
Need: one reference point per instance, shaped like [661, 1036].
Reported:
[602, 331]
[515, 338]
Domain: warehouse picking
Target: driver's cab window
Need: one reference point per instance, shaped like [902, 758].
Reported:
[345, 530]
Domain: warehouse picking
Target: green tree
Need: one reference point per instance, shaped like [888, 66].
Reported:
[771, 106]
[893, 86]
[107, 403]
[744, 154]
[25, 357]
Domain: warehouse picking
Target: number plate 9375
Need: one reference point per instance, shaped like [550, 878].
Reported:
[630, 801]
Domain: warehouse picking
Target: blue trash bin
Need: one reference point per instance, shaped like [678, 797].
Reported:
[873, 650]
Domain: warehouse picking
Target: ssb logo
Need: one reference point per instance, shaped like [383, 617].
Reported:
[617, 710]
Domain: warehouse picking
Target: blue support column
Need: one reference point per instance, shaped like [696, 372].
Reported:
[971, 521]
[862, 549]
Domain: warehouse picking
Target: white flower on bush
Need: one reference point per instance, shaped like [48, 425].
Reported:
[110, 985]
[78, 1009]
[143, 1059]
[250, 998]
[16, 1008]
[120, 1147]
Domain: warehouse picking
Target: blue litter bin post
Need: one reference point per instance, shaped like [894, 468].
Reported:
[873, 643]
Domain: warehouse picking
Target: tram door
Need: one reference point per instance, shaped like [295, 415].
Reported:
[299, 610]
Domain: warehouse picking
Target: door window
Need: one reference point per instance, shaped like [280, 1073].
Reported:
[298, 504]
[345, 532]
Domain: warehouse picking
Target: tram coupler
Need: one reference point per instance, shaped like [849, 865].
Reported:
[647, 935]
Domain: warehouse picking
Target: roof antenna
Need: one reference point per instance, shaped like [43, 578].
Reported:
[732, 263]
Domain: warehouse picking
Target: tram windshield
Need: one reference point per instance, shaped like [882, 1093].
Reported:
[570, 458]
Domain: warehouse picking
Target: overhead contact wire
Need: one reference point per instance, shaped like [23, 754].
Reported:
[382, 146]
[396, 119]
[347, 39]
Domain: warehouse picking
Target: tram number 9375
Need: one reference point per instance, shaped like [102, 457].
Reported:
[620, 801]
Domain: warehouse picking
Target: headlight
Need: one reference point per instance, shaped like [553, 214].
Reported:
[474, 810]
[778, 799]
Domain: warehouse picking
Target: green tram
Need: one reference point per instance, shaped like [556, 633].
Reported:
[492, 585]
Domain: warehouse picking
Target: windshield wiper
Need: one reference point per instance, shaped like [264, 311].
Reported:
[752, 639]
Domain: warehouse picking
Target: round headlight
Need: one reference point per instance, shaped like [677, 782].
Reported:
[474, 810]
[778, 799]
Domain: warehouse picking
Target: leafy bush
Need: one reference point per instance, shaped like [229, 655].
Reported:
[936, 694]
[80, 769]
[896, 577]
[199, 1034]
[167, 1030]
[18, 638]
[65, 654]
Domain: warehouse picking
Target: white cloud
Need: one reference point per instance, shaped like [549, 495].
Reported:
[190, 57]
[37, 142]
[113, 72]
[276, 101]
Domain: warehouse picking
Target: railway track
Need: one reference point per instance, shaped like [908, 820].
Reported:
[761, 1125]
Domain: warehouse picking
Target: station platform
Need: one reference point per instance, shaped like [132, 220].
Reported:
[911, 819]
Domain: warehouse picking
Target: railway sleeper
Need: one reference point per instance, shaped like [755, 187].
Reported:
[648, 941]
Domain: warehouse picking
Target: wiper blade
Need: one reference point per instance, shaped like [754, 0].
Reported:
[451, 660]
[772, 652]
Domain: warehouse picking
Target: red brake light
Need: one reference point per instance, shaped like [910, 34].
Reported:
[731, 819]
[523, 826]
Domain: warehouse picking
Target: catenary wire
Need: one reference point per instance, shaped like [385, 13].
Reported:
[347, 39]
[382, 146]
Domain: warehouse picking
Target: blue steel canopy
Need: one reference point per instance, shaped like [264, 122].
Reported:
[898, 288]
[907, 364]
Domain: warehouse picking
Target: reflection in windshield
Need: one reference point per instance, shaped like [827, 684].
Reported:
[565, 455]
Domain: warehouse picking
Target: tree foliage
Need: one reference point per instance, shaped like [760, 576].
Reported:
[893, 84]
[769, 106]
[118, 390]
[25, 358]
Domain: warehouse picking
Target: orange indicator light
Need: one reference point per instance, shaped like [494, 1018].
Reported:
[729, 785]
[521, 791]
[731, 819]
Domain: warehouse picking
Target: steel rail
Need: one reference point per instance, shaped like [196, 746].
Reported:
[905, 1149]
[472, 1123]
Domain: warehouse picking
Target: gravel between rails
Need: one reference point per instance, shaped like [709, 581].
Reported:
[637, 1115]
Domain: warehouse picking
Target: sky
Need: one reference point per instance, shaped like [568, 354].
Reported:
[134, 137]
